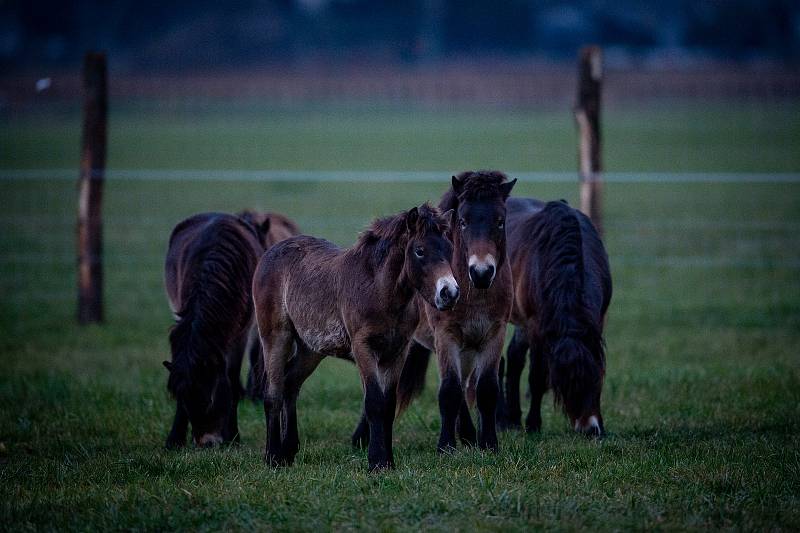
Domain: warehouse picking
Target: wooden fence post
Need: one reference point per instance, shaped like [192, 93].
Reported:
[90, 189]
[587, 116]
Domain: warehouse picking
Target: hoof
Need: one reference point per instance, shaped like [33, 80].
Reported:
[489, 446]
[381, 466]
[174, 444]
[508, 425]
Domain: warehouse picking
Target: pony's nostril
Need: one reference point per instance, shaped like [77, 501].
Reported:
[490, 271]
[443, 293]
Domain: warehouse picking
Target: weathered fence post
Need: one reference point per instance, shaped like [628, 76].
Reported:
[587, 116]
[90, 190]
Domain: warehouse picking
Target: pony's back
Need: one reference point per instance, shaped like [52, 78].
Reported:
[209, 267]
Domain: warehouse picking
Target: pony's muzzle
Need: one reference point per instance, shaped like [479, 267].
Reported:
[590, 426]
[447, 293]
[482, 276]
[209, 440]
[482, 271]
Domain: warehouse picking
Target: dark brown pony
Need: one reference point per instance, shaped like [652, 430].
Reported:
[562, 289]
[208, 272]
[314, 299]
[469, 339]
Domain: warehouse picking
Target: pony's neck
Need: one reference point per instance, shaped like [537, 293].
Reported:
[392, 278]
[459, 263]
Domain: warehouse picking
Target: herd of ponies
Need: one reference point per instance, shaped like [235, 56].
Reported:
[444, 279]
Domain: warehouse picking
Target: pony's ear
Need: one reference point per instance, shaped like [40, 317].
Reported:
[505, 188]
[458, 185]
[167, 365]
[411, 218]
[448, 215]
[265, 225]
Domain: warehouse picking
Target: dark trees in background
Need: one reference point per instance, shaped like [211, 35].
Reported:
[149, 34]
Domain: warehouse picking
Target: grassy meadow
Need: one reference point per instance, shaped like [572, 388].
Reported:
[702, 397]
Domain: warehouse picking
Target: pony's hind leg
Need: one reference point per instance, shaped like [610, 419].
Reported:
[234, 361]
[255, 375]
[276, 346]
[511, 415]
[537, 380]
[300, 367]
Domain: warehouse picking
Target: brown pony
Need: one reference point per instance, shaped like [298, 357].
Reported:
[208, 272]
[280, 228]
[469, 339]
[562, 289]
[314, 299]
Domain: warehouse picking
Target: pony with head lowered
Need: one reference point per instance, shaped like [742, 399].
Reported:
[314, 300]
[208, 273]
[562, 290]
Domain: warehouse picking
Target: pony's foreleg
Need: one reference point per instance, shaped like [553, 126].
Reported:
[465, 428]
[380, 402]
[180, 425]
[537, 381]
[451, 393]
[379, 405]
[515, 363]
[487, 390]
[360, 438]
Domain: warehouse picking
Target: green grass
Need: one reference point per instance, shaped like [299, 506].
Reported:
[702, 398]
[674, 137]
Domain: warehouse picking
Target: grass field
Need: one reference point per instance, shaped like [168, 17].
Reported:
[667, 137]
[702, 398]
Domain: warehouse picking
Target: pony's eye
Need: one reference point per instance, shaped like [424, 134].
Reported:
[501, 223]
[419, 252]
[463, 223]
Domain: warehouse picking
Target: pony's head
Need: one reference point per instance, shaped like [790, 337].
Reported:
[576, 376]
[428, 255]
[203, 392]
[271, 228]
[479, 203]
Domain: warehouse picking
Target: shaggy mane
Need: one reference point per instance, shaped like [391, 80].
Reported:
[477, 185]
[384, 233]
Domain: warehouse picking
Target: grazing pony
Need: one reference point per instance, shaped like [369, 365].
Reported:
[469, 339]
[314, 299]
[208, 273]
[562, 289]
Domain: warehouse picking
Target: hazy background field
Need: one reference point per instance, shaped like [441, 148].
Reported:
[701, 398]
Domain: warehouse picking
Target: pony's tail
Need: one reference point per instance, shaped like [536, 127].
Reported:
[574, 373]
[412, 379]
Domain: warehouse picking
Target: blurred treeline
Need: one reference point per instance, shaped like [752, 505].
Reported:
[147, 35]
